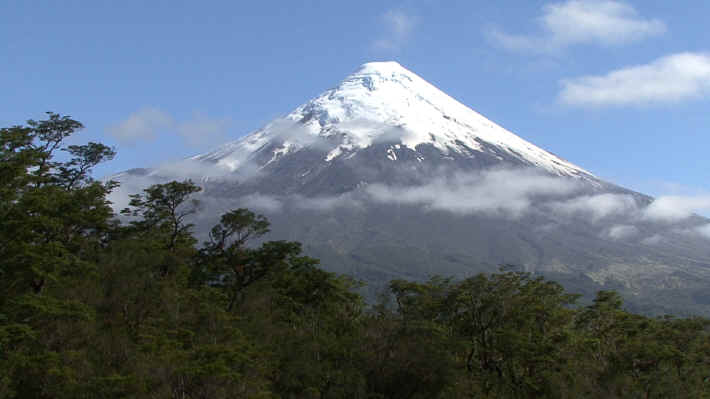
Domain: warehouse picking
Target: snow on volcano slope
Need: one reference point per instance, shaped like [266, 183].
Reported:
[384, 102]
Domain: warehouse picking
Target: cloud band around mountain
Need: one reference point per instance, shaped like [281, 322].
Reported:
[507, 193]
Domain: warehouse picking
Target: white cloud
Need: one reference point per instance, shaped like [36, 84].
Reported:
[653, 240]
[296, 133]
[148, 123]
[399, 26]
[142, 125]
[263, 203]
[277, 203]
[675, 208]
[668, 79]
[703, 230]
[120, 196]
[325, 204]
[202, 130]
[195, 170]
[619, 232]
[605, 22]
[596, 207]
[199, 172]
[508, 193]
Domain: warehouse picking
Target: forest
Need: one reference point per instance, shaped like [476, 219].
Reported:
[93, 305]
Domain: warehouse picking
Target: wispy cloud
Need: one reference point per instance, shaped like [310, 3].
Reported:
[326, 203]
[669, 79]
[142, 125]
[595, 207]
[508, 193]
[620, 232]
[703, 230]
[261, 203]
[148, 123]
[653, 240]
[602, 22]
[202, 130]
[398, 28]
[271, 204]
[121, 196]
[196, 170]
[505, 193]
[666, 209]
[675, 208]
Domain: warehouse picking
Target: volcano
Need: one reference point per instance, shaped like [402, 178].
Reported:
[385, 176]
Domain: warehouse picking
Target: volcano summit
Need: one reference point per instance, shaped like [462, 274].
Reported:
[385, 105]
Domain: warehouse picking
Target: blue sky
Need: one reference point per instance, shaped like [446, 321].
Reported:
[619, 88]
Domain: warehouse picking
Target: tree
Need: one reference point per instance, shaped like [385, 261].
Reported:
[52, 212]
[163, 208]
[93, 308]
[53, 221]
[516, 329]
[318, 339]
[412, 350]
[84, 158]
[227, 262]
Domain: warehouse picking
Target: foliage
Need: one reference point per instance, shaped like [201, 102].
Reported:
[92, 307]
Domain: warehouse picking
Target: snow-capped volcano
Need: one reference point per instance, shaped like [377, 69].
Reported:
[385, 176]
[382, 102]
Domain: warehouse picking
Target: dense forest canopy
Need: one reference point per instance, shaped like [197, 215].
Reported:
[94, 308]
